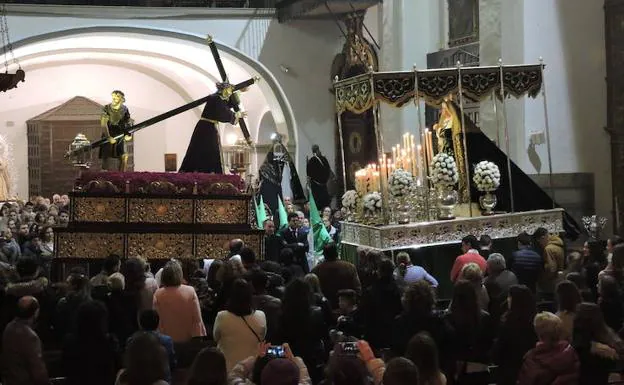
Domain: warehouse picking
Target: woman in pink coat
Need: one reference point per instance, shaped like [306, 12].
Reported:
[178, 306]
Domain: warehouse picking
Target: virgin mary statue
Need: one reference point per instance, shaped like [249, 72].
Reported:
[449, 136]
[6, 183]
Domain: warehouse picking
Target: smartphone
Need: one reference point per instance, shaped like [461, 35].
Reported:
[349, 348]
[276, 351]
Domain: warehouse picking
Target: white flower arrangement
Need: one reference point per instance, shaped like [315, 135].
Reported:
[444, 170]
[486, 176]
[400, 182]
[372, 201]
[349, 199]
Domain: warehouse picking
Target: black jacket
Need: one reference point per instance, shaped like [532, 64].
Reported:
[297, 240]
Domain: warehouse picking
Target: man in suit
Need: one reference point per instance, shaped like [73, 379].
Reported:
[272, 242]
[297, 240]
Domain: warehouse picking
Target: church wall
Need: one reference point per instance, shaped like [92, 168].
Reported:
[569, 35]
[298, 54]
[147, 97]
[410, 30]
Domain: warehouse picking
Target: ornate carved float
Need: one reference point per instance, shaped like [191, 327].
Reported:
[425, 234]
[157, 216]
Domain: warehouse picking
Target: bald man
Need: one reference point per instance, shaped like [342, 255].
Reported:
[236, 245]
[22, 361]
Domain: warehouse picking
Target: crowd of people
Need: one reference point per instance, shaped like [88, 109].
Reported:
[27, 229]
[540, 315]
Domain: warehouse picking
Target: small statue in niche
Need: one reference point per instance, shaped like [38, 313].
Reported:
[6, 183]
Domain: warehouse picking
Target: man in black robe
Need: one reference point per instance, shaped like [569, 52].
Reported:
[204, 151]
[319, 173]
[115, 120]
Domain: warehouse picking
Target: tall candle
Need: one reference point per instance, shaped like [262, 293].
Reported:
[420, 160]
[413, 158]
[430, 145]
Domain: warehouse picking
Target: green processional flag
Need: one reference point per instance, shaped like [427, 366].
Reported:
[283, 215]
[260, 212]
[321, 236]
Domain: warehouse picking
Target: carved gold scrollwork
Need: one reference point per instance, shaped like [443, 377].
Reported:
[88, 245]
[153, 210]
[217, 245]
[220, 188]
[160, 246]
[89, 209]
[101, 186]
[222, 211]
[435, 233]
[160, 187]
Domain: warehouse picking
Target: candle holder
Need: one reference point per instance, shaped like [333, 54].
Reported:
[238, 158]
[594, 225]
[432, 200]
[419, 204]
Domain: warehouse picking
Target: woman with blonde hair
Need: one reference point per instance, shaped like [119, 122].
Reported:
[552, 360]
[178, 306]
[472, 273]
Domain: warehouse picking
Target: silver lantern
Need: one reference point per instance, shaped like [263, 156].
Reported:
[80, 148]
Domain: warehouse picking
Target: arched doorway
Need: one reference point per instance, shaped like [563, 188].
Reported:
[157, 69]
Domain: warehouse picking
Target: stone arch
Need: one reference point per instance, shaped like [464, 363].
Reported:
[279, 106]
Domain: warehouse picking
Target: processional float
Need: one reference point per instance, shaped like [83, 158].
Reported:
[159, 215]
[391, 208]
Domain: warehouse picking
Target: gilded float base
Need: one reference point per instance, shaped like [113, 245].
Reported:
[422, 234]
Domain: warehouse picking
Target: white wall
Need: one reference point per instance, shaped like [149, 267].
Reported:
[411, 29]
[569, 35]
[306, 48]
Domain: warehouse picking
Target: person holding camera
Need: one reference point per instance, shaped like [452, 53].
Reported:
[273, 365]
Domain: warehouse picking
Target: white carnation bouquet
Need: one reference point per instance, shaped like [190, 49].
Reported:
[372, 201]
[400, 182]
[444, 170]
[486, 176]
[349, 199]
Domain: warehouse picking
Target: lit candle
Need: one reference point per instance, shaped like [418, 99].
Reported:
[420, 160]
[430, 145]
[403, 159]
[376, 185]
[413, 156]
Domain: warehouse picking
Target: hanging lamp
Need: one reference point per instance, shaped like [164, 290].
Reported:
[8, 81]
